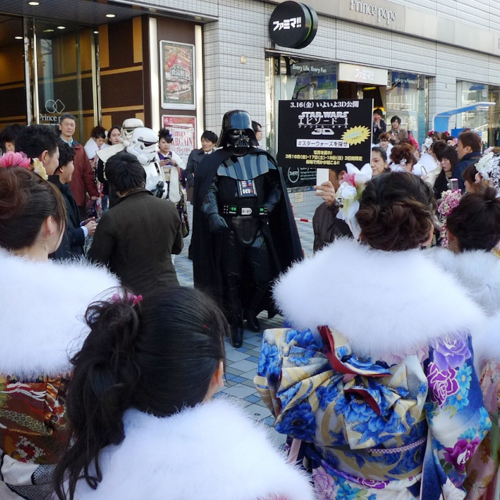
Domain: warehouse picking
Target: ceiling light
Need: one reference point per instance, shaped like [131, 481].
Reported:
[61, 27]
[110, 15]
[34, 4]
[96, 32]
[18, 37]
[49, 30]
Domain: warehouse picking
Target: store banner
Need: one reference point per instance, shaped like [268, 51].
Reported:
[183, 130]
[324, 133]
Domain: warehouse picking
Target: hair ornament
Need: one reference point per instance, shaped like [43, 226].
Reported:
[11, 159]
[489, 169]
[39, 169]
[349, 194]
[403, 162]
[450, 200]
[130, 297]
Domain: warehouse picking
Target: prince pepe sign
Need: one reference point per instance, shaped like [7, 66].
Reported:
[324, 133]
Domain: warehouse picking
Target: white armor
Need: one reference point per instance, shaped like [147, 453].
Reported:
[128, 127]
[143, 146]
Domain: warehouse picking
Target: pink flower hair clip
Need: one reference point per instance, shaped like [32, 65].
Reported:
[132, 299]
[11, 159]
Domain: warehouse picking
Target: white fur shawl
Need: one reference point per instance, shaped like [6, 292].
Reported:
[487, 343]
[41, 312]
[477, 271]
[210, 452]
[383, 302]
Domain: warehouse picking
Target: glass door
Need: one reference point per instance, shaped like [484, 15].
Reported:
[64, 75]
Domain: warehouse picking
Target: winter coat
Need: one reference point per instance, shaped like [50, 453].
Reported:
[136, 239]
[209, 452]
[82, 181]
[467, 160]
[375, 376]
[42, 326]
[327, 227]
[74, 237]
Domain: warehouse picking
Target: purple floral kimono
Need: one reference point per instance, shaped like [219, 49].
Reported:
[373, 430]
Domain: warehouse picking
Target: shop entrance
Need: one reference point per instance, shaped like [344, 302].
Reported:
[47, 69]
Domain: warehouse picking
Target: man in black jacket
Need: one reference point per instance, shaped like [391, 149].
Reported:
[208, 142]
[74, 235]
[469, 152]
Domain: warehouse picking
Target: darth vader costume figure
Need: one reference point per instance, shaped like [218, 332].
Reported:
[244, 233]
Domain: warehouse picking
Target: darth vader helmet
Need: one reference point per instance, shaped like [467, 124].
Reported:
[143, 145]
[237, 135]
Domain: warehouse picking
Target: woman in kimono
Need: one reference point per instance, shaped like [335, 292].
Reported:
[374, 380]
[473, 231]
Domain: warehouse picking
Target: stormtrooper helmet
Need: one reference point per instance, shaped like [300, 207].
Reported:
[237, 135]
[128, 127]
[143, 145]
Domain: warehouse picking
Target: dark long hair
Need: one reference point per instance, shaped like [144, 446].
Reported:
[158, 357]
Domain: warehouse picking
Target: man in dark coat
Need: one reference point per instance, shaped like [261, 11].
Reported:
[244, 233]
[74, 235]
[208, 142]
[469, 152]
[326, 226]
[138, 235]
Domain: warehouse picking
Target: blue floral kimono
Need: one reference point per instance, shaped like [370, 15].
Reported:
[373, 430]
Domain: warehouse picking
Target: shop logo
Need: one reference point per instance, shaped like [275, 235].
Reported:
[293, 175]
[52, 106]
[379, 13]
[293, 24]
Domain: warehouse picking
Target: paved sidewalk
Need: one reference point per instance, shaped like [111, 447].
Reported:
[241, 365]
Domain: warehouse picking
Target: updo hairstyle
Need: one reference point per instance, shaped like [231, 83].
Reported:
[476, 221]
[26, 200]
[403, 154]
[396, 212]
[157, 356]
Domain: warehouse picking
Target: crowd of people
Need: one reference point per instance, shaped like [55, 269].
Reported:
[108, 371]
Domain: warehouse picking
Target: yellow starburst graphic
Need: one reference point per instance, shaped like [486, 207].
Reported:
[356, 135]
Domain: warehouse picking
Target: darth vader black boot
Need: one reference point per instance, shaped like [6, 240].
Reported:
[237, 336]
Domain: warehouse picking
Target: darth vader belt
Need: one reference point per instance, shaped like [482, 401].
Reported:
[239, 211]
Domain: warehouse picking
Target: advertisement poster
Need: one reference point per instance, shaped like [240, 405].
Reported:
[324, 133]
[183, 130]
[177, 75]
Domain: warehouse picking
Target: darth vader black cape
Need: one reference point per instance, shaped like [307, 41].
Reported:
[280, 233]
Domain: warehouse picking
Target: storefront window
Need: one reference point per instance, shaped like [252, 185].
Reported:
[407, 97]
[288, 78]
[470, 93]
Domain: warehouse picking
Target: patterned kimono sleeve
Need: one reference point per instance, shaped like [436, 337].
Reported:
[268, 376]
[458, 421]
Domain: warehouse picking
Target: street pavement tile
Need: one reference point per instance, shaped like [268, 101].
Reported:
[249, 375]
[233, 371]
[234, 356]
[257, 412]
[249, 383]
[252, 398]
[239, 390]
[243, 365]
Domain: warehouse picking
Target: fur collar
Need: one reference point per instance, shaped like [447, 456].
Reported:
[487, 343]
[210, 452]
[477, 271]
[41, 313]
[383, 302]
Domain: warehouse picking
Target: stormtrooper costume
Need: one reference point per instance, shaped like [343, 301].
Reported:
[143, 146]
